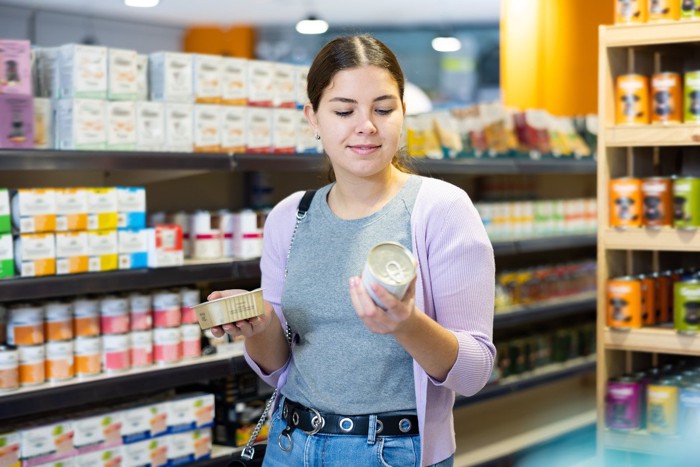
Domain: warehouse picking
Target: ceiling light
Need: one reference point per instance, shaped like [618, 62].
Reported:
[312, 25]
[141, 3]
[446, 44]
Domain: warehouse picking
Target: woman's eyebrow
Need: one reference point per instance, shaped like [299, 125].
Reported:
[347, 100]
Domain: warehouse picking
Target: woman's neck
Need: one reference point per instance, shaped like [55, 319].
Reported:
[358, 198]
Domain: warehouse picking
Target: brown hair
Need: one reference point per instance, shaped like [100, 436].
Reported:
[346, 52]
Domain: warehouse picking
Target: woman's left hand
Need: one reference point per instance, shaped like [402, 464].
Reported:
[398, 312]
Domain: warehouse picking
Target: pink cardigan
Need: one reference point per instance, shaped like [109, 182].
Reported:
[455, 287]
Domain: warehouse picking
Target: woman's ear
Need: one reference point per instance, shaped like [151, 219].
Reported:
[311, 116]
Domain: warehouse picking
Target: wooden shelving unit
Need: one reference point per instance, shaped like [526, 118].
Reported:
[638, 151]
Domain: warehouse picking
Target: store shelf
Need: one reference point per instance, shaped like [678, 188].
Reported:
[34, 400]
[279, 162]
[220, 457]
[650, 33]
[47, 159]
[541, 376]
[551, 309]
[34, 288]
[522, 420]
[503, 166]
[653, 135]
[643, 442]
[652, 340]
[543, 243]
[645, 239]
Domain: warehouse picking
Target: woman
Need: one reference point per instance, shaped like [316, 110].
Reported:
[362, 385]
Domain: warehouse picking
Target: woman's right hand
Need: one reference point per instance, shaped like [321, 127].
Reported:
[247, 327]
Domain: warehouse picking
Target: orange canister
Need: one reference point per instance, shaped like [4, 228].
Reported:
[59, 363]
[9, 369]
[25, 325]
[657, 201]
[625, 202]
[31, 364]
[666, 98]
[662, 296]
[664, 10]
[632, 100]
[648, 294]
[86, 317]
[624, 302]
[630, 11]
[58, 321]
[88, 356]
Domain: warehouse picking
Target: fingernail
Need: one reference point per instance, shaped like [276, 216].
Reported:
[353, 282]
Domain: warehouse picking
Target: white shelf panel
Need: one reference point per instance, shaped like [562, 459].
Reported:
[652, 340]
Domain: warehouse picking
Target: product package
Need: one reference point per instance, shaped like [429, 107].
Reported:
[102, 250]
[71, 209]
[34, 210]
[5, 221]
[121, 126]
[43, 123]
[207, 78]
[35, 255]
[83, 71]
[284, 130]
[261, 92]
[259, 125]
[17, 122]
[102, 208]
[132, 245]
[131, 207]
[71, 252]
[178, 127]
[207, 128]
[283, 84]
[170, 77]
[233, 128]
[150, 126]
[7, 262]
[15, 67]
[165, 246]
[81, 124]
[234, 81]
[122, 70]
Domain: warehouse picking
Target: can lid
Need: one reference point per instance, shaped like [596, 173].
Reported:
[624, 278]
[392, 263]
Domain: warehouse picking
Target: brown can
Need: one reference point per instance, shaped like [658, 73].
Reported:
[624, 295]
[632, 100]
[664, 10]
[648, 299]
[625, 202]
[662, 296]
[657, 199]
[630, 11]
[666, 98]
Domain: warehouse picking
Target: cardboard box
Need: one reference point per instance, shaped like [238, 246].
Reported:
[150, 126]
[191, 446]
[170, 77]
[261, 92]
[71, 209]
[7, 262]
[131, 207]
[234, 128]
[259, 124]
[34, 210]
[17, 122]
[151, 452]
[300, 76]
[15, 67]
[40, 444]
[207, 128]
[165, 246]
[142, 90]
[234, 81]
[283, 84]
[71, 252]
[110, 457]
[133, 248]
[102, 250]
[81, 124]
[96, 433]
[178, 127]
[207, 78]
[9, 449]
[43, 123]
[5, 221]
[102, 208]
[190, 412]
[83, 71]
[122, 70]
[35, 255]
[284, 129]
[121, 126]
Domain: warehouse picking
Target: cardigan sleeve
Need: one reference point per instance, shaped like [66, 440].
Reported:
[277, 235]
[461, 271]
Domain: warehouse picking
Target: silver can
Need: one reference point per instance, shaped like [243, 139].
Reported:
[390, 265]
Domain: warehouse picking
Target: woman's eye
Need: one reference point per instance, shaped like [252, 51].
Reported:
[384, 111]
[345, 113]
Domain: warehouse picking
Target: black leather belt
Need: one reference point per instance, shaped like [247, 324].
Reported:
[311, 421]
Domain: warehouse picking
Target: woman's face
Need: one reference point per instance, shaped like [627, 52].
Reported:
[359, 119]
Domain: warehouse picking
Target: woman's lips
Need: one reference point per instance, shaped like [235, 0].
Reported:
[364, 148]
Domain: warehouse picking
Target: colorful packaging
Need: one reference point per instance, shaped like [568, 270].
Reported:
[34, 210]
[102, 250]
[691, 91]
[625, 202]
[166, 309]
[58, 321]
[283, 84]
[122, 69]
[9, 376]
[140, 311]
[690, 9]
[233, 129]
[664, 10]
[131, 207]
[284, 130]
[102, 208]
[132, 248]
[35, 255]
[630, 11]
[207, 78]
[31, 364]
[141, 350]
[259, 125]
[7, 261]
[686, 202]
[116, 349]
[623, 404]
[666, 100]
[15, 67]
[191, 446]
[152, 452]
[59, 364]
[624, 303]
[165, 246]
[632, 94]
[167, 345]
[662, 407]
[46, 443]
[190, 412]
[261, 92]
[234, 81]
[71, 209]
[686, 306]
[114, 315]
[17, 124]
[97, 432]
[5, 219]
[71, 252]
[88, 355]
[9, 449]
[207, 128]
[86, 317]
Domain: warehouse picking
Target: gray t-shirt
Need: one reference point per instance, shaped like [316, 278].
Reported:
[338, 365]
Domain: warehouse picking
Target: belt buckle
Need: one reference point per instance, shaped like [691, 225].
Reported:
[317, 421]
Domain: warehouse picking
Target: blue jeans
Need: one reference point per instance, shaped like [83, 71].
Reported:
[340, 450]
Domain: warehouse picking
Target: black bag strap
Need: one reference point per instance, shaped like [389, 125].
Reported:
[305, 202]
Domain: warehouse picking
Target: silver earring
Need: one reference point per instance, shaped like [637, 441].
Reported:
[317, 136]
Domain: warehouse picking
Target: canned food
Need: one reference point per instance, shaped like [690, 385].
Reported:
[140, 312]
[3, 324]
[58, 321]
[691, 91]
[686, 203]
[632, 96]
[392, 266]
[189, 298]
[662, 407]
[31, 364]
[115, 353]
[88, 354]
[9, 369]
[230, 309]
[690, 9]
[625, 202]
[624, 303]
[686, 313]
[689, 411]
[59, 363]
[664, 10]
[86, 317]
[648, 299]
[26, 325]
[191, 340]
[167, 345]
[630, 11]
[623, 404]
[666, 98]
[662, 295]
[141, 348]
[166, 309]
[657, 200]
[114, 315]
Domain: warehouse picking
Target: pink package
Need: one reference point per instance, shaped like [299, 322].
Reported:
[15, 67]
[16, 121]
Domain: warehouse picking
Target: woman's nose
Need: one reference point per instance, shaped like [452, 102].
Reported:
[366, 126]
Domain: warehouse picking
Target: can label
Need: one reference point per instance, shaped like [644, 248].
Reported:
[86, 317]
[624, 303]
[648, 300]
[191, 340]
[59, 361]
[666, 96]
[140, 312]
[167, 345]
[88, 352]
[623, 405]
[115, 352]
[25, 326]
[664, 10]
[9, 369]
[114, 315]
[58, 322]
[189, 298]
[686, 202]
[31, 365]
[632, 94]
[392, 266]
[690, 9]
[630, 11]
[625, 202]
[686, 313]
[141, 349]
[662, 409]
[657, 201]
[166, 310]
[691, 90]
[662, 296]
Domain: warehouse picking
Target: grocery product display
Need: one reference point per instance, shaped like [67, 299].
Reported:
[647, 190]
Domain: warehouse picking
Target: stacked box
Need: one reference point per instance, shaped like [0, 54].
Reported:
[83, 71]
[234, 81]
[17, 122]
[121, 126]
[131, 207]
[150, 126]
[207, 78]
[81, 124]
[171, 77]
[207, 128]
[15, 67]
[122, 70]
[43, 123]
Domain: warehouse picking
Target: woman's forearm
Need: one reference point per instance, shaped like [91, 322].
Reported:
[269, 349]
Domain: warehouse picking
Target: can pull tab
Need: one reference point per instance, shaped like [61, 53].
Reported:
[395, 272]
